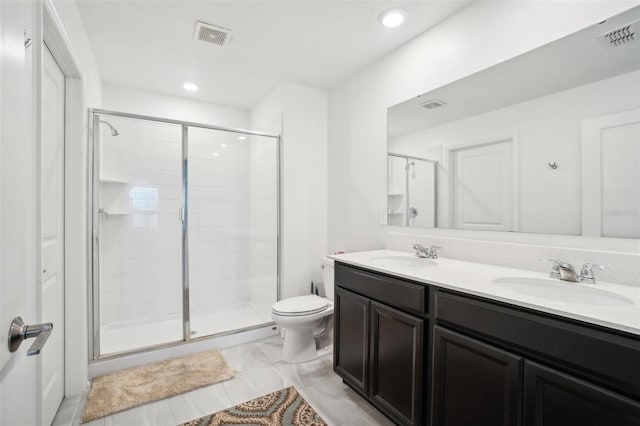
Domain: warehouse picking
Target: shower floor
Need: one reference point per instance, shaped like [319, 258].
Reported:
[121, 337]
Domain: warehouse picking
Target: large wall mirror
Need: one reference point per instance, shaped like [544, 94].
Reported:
[547, 142]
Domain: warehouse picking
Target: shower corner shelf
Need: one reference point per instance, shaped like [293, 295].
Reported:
[116, 180]
[396, 195]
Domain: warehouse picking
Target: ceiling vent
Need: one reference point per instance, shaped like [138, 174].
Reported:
[621, 35]
[212, 34]
[432, 104]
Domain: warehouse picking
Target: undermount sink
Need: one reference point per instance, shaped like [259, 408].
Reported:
[403, 261]
[562, 291]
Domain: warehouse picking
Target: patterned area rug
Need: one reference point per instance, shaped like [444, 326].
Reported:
[119, 391]
[284, 407]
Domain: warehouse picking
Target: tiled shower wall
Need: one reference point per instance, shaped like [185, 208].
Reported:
[263, 220]
[232, 222]
[218, 220]
[140, 251]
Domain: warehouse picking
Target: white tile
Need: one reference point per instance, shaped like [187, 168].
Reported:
[254, 383]
[372, 418]
[141, 416]
[210, 399]
[306, 374]
[335, 402]
[176, 410]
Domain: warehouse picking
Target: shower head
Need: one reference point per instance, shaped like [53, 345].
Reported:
[114, 131]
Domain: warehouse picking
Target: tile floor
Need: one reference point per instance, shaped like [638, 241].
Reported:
[259, 371]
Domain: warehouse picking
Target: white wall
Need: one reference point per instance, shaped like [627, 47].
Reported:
[303, 115]
[467, 42]
[547, 130]
[125, 99]
[74, 26]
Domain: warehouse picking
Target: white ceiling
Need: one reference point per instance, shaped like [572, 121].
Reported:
[149, 44]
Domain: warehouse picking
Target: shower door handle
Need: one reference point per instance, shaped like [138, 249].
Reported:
[181, 214]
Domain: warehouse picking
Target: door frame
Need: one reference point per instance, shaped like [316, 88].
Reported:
[52, 33]
[446, 188]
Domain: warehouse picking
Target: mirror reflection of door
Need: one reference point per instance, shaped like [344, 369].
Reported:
[482, 186]
[610, 174]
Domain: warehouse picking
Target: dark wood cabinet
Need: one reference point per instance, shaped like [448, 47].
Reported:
[474, 383]
[351, 354]
[493, 363]
[380, 349]
[397, 341]
[553, 398]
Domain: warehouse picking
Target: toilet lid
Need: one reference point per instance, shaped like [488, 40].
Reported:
[300, 305]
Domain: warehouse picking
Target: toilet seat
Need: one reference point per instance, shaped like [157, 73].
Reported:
[300, 306]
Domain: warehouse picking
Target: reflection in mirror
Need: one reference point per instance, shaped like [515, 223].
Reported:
[411, 191]
[547, 142]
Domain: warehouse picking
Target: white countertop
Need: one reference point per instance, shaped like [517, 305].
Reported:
[478, 279]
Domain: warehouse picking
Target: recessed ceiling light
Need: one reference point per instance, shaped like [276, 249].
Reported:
[215, 154]
[242, 137]
[223, 145]
[393, 17]
[191, 87]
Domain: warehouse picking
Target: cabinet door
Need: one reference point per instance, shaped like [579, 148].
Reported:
[351, 339]
[552, 398]
[396, 363]
[474, 383]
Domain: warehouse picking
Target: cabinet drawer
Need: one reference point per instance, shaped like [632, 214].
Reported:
[608, 359]
[404, 295]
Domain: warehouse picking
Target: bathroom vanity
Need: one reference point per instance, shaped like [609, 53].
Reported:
[447, 342]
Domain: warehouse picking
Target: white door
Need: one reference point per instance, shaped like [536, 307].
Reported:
[51, 289]
[611, 175]
[18, 402]
[482, 186]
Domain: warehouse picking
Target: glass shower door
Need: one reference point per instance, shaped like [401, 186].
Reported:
[232, 230]
[137, 200]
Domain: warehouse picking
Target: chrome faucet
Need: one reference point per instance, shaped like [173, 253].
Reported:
[426, 253]
[586, 272]
[566, 272]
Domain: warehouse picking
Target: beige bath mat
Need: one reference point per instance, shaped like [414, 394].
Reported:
[281, 408]
[119, 391]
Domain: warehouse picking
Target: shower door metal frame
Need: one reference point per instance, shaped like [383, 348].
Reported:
[407, 201]
[93, 173]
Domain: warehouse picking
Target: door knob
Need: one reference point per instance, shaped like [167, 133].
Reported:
[18, 332]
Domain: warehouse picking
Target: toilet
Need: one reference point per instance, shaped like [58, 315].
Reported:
[304, 318]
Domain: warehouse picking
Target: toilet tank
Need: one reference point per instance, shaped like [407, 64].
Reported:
[327, 276]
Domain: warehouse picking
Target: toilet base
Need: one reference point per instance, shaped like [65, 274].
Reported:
[299, 346]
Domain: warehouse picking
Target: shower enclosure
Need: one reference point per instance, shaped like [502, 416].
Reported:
[185, 231]
[411, 191]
